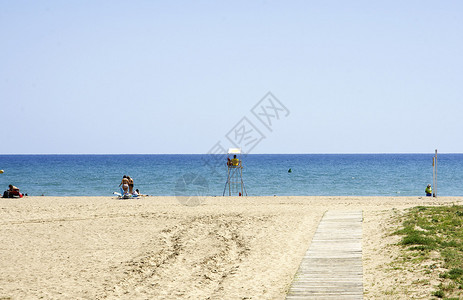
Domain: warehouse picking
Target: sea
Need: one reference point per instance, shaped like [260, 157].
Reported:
[262, 174]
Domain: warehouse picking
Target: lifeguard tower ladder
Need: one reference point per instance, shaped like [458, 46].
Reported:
[234, 182]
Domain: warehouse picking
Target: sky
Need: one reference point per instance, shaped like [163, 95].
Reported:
[168, 77]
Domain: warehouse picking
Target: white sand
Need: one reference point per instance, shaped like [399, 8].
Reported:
[157, 248]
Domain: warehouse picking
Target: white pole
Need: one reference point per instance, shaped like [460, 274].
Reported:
[435, 171]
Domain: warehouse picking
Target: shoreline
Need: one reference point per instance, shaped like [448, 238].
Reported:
[157, 247]
[308, 197]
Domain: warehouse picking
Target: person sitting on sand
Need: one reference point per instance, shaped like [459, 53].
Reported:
[137, 192]
[125, 184]
[12, 192]
[13, 189]
[428, 190]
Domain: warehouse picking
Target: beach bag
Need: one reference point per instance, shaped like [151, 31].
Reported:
[6, 194]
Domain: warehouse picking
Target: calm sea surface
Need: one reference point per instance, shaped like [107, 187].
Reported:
[312, 174]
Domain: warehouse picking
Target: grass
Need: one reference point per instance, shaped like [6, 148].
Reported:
[427, 230]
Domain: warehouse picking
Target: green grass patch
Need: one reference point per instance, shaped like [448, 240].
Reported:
[428, 230]
[420, 239]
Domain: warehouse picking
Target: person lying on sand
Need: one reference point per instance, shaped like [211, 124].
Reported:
[12, 192]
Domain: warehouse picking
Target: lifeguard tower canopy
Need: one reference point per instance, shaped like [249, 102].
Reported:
[234, 150]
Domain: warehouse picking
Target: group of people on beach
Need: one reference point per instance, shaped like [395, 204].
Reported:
[127, 185]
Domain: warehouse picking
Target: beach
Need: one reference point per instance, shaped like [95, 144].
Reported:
[160, 248]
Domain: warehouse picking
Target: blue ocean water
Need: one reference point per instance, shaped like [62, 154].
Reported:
[312, 174]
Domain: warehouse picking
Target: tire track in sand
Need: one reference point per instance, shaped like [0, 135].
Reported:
[193, 257]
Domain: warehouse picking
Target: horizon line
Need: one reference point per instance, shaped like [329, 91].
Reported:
[313, 153]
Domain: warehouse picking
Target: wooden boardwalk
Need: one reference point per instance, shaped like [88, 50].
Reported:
[332, 267]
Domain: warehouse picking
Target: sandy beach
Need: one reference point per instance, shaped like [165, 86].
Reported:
[158, 248]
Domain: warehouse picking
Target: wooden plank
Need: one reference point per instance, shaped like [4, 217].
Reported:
[332, 266]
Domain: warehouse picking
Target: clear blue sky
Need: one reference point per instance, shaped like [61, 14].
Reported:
[177, 76]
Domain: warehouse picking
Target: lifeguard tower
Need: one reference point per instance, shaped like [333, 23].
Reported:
[234, 182]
